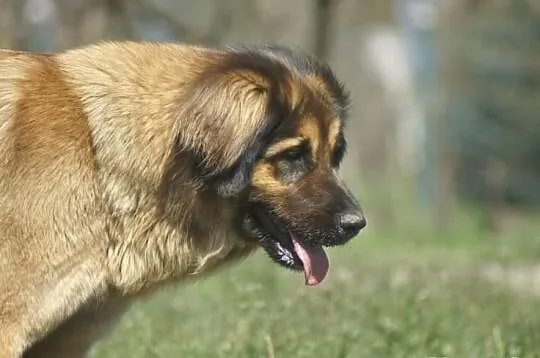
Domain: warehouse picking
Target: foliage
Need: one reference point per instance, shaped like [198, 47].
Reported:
[494, 116]
[395, 291]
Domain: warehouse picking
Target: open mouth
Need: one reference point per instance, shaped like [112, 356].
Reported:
[287, 249]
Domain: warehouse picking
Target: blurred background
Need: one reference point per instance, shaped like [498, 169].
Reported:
[444, 156]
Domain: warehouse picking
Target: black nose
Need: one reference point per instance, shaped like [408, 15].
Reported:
[349, 224]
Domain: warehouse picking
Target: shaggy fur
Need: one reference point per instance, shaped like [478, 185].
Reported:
[124, 166]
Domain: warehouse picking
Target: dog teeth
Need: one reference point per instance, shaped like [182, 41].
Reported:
[285, 254]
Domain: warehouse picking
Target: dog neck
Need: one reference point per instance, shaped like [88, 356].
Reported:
[153, 240]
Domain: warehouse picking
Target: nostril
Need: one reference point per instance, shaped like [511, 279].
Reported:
[351, 223]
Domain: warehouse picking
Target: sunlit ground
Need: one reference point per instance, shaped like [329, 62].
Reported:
[398, 290]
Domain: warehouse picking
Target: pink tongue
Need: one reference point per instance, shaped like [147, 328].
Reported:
[314, 259]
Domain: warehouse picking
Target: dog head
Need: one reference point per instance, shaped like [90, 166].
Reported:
[279, 116]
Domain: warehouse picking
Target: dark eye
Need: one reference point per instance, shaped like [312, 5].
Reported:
[293, 154]
[293, 162]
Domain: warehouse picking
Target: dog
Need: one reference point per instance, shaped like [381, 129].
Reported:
[125, 166]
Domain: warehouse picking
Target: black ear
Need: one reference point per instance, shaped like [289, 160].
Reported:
[226, 116]
[232, 181]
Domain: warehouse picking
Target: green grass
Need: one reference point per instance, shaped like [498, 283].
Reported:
[397, 290]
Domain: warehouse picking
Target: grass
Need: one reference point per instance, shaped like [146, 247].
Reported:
[398, 290]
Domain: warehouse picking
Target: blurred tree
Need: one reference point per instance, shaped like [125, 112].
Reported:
[494, 117]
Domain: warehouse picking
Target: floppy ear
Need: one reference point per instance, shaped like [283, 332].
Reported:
[233, 180]
[223, 120]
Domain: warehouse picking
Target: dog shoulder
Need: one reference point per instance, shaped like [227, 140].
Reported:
[46, 151]
[49, 217]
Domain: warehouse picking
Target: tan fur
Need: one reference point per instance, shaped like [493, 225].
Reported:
[333, 131]
[282, 146]
[310, 129]
[84, 139]
[99, 202]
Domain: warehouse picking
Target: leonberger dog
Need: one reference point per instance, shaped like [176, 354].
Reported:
[125, 166]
